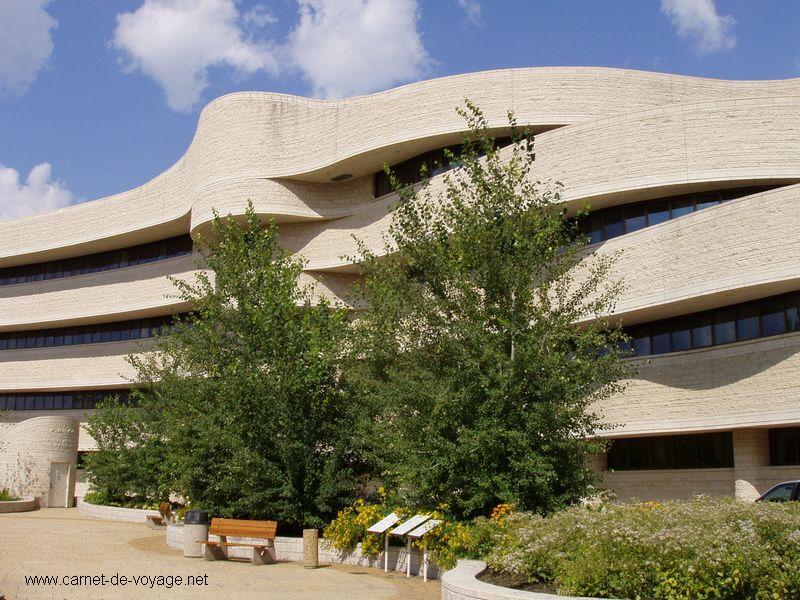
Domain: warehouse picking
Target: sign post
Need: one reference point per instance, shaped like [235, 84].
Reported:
[419, 532]
[404, 530]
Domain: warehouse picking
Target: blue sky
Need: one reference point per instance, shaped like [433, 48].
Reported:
[99, 96]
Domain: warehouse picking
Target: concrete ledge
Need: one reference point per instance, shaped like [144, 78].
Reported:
[24, 504]
[291, 549]
[461, 583]
[115, 513]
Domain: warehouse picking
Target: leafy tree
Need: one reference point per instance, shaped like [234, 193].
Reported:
[127, 468]
[480, 379]
[244, 394]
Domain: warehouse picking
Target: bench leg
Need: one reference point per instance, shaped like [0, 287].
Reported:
[263, 556]
[215, 552]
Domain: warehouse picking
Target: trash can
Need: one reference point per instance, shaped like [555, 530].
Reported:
[195, 529]
[310, 548]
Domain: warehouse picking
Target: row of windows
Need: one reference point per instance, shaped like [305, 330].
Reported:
[85, 334]
[102, 261]
[605, 224]
[58, 400]
[699, 451]
[747, 321]
[409, 171]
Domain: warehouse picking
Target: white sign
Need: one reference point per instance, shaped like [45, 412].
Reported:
[410, 525]
[424, 528]
[384, 524]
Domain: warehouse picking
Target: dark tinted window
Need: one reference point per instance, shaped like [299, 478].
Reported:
[59, 400]
[434, 162]
[86, 334]
[92, 263]
[784, 446]
[746, 321]
[607, 223]
[725, 326]
[699, 451]
[773, 316]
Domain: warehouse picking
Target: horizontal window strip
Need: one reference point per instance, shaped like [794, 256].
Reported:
[607, 223]
[736, 323]
[94, 263]
[119, 331]
[78, 400]
[697, 451]
[434, 162]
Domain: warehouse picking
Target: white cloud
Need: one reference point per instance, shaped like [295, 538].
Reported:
[351, 47]
[259, 16]
[699, 21]
[176, 41]
[472, 10]
[37, 194]
[26, 42]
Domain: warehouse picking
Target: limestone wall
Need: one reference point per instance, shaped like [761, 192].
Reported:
[27, 451]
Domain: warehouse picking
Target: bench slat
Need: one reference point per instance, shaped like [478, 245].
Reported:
[243, 528]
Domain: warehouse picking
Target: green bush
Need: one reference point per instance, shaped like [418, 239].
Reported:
[703, 548]
[6, 496]
[446, 543]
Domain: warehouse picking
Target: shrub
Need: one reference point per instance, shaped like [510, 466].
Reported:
[703, 548]
[6, 496]
[446, 543]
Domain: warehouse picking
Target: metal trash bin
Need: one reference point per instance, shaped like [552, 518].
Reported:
[195, 529]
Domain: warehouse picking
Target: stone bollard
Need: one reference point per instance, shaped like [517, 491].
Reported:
[310, 548]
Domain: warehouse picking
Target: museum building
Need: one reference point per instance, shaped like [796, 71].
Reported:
[694, 183]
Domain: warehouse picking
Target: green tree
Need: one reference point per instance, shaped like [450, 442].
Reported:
[244, 393]
[128, 466]
[480, 379]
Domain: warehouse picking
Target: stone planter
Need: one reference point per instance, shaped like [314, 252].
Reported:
[115, 513]
[24, 504]
[461, 583]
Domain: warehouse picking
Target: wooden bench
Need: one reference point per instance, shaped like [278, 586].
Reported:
[263, 553]
[164, 516]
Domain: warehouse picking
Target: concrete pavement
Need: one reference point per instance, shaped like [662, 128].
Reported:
[88, 559]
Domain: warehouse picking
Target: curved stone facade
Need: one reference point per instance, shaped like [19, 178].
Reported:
[612, 137]
[30, 452]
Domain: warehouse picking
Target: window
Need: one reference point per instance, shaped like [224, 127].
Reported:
[780, 493]
[784, 446]
[608, 223]
[93, 263]
[434, 162]
[86, 334]
[699, 451]
[59, 400]
[725, 325]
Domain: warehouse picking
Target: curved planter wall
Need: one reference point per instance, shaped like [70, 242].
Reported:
[24, 504]
[114, 513]
[461, 583]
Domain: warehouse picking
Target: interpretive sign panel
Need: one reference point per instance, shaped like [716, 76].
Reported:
[424, 528]
[410, 525]
[384, 524]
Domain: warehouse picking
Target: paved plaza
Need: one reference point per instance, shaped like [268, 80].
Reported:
[80, 551]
